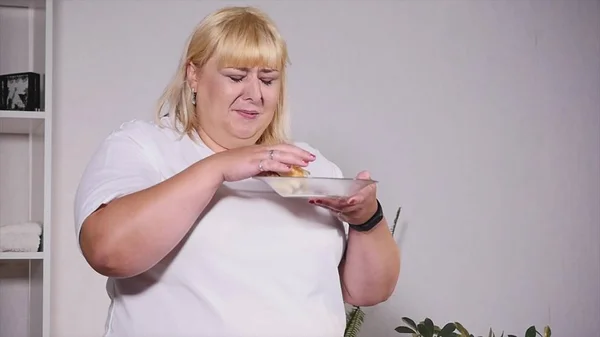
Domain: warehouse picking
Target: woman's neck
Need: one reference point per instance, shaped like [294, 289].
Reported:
[217, 146]
[209, 142]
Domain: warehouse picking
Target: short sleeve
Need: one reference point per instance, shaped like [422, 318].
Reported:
[120, 166]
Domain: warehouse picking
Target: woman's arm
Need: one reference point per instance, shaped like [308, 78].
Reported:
[370, 268]
[131, 234]
[127, 219]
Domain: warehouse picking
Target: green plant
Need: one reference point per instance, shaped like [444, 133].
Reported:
[356, 316]
[354, 320]
[427, 328]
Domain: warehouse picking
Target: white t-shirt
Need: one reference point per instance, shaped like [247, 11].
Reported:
[254, 265]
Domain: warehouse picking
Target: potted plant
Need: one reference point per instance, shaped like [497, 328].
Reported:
[427, 328]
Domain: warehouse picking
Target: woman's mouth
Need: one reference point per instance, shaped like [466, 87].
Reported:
[248, 114]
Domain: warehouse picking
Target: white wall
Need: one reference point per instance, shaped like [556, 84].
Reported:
[480, 118]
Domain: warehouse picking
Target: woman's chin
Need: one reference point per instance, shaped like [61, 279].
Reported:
[248, 132]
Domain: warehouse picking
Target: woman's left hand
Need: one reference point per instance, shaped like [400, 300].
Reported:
[356, 209]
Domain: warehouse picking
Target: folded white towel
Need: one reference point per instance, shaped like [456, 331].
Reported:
[24, 237]
[33, 228]
[19, 243]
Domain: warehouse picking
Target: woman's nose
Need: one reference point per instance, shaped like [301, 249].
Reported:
[252, 90]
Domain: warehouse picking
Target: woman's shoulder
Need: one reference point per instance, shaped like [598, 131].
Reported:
[138, 136]
[143, 133]
[136, 128]
[322, 166]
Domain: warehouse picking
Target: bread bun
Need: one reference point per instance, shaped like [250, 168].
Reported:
[296, 172]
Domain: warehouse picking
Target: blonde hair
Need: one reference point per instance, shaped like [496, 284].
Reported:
[239, 37]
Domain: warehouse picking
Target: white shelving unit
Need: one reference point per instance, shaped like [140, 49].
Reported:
[25, 170]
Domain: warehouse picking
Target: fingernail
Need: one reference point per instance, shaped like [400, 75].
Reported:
[311, 201]
[318, 201]
[352, 201]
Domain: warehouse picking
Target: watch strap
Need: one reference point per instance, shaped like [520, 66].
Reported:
[372, 222]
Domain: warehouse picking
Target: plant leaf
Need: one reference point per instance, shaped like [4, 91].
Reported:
[396, 221]
[447, 330]
[424, 330]
[356, 320]
[410, 323]
[461, 329]
[429, 324]
[404, 329]
[530, 331]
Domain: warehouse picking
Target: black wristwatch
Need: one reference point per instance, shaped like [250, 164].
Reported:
[372, 222]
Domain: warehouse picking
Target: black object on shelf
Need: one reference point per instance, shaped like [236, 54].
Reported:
[20, 91]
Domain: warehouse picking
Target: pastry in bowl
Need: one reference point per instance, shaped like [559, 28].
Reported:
[295, 172]
[292, 185]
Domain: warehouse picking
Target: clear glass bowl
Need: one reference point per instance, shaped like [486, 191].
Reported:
[315, 187]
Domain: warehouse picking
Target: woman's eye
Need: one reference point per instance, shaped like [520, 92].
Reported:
[237, 79]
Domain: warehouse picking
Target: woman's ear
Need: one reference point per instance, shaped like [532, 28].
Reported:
[192, 75]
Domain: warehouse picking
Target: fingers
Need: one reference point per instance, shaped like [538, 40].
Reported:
[293, 150]
[267, 165]
[288, 158]
[340, 207]
[363, 175]
[279, 158]
[350, 203]
[335, 205]
[351, 208]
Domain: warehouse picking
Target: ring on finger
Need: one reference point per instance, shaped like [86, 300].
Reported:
[271, 154]
[260, 166]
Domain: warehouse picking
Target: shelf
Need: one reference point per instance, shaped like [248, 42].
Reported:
[21, 298]
[23, 3]
[26, 46]
[22, 122]
[23, 50]
[22, 177]
[22, 256]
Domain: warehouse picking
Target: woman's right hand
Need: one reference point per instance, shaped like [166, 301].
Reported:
[245, 162]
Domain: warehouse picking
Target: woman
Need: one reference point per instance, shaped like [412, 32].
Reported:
[191, 245]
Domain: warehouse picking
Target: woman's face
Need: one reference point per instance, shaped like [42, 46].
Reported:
[234, 105]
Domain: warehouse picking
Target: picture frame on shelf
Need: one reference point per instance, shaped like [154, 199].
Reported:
[20, 91]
